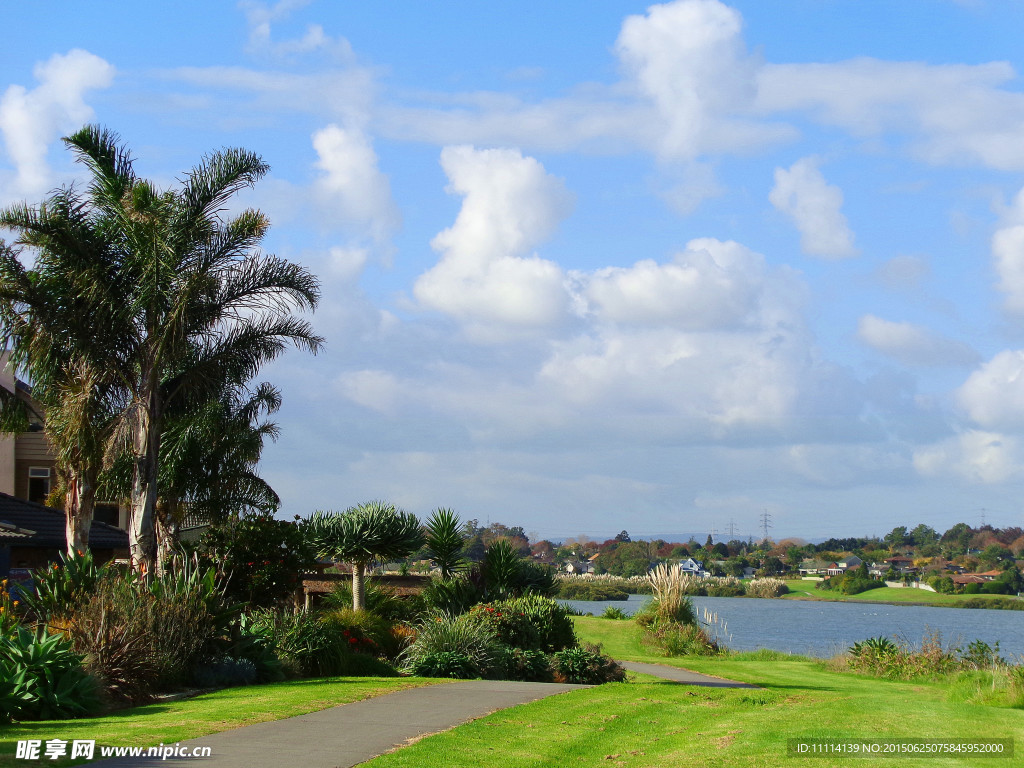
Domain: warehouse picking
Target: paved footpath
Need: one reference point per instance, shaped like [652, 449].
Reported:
[350, 734]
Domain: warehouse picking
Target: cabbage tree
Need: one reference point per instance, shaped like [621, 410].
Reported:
[375, 530]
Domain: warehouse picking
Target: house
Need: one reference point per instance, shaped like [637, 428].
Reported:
[812, 567]
[900, 564]
[577, 566]
[27, 463]
[840, 567]
[693, 567]
[33, 535]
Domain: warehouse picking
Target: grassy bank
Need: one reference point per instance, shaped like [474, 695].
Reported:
[173, 721]
[658, 723]
[805, 590]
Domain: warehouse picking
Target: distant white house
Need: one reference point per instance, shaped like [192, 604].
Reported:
[577, 566]
[693, 567]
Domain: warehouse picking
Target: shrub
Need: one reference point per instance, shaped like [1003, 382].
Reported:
[670, 586]
[460, 635]
[723, 586]
[380, 599]
[526, 665]
[305, 644]
[899, 661]
[364, 632]
[531, 622]
[455, 595]
[61, 587]
[767, 587]
[225, 671]
[49, 682]
[612, 612]
[577, 589]
[260, 557]
[9, 618]
[445, 664]
[672, 638]
[585, 666]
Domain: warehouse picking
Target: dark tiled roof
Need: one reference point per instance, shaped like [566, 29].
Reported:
[47, 526]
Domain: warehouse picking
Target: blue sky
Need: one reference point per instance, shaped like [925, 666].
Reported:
[608, 265]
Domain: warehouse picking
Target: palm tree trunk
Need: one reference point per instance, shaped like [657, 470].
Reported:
[79, 506]
[142, 533]
[358, 586]
[166, 532]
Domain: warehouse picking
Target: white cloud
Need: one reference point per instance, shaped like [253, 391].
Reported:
[905, 272]
[689, 59]
[912, 344]
[952, 114]
[485, 276]
[709, 285]
[1008, 255]
[993, 396]
[31, 120]
[814, 205]
[977, 456]
[260, 18]
[352, 187]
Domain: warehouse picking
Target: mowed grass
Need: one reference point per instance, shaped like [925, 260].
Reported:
[645, 723]
[174, 721]
[799, 589]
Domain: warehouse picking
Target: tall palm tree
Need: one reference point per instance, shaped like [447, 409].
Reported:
[173, 298]
[203, 305]
[53, 326]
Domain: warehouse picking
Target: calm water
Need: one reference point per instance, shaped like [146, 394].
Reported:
[824, 629]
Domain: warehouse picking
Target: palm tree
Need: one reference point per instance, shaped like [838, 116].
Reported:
[209, 453]
[371, 531]
[51, 323]
[156, 294]
[445, 541]
[199, 305]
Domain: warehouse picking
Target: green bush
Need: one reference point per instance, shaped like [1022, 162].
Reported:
[61, 587]
[260, 557]
[531, 622]
[461, 635]
[306, 645]
[225, 671]
[577, 589]
[672, 638]
[585, 666]
[446, 664]
[723, 586]
[455, 595]
[380, 599]
[519, 664]
[47, 677]
[364, 632]
[612, 612]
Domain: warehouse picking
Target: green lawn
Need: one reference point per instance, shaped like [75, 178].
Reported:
[800, 589]
[646, 723]
[175, 721]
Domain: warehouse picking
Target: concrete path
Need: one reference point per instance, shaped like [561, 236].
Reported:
[683, 675]
[349, 734]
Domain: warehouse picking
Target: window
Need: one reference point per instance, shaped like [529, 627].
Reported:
[38, 484]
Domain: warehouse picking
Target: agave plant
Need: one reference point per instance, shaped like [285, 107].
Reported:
[445, 542]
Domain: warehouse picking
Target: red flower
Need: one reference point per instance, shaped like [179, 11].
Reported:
[352, 640]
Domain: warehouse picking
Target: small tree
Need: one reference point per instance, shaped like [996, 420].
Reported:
[362, 534]
[445, 541]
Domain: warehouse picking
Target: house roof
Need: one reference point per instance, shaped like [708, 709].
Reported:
[33, 525]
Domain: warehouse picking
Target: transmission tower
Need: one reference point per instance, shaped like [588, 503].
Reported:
[732, 529]
[766, 523]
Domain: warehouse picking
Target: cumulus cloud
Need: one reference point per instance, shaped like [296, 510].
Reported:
[709, 285]
[912, 344]
[977, 456]
[31, 120]
[352, 187]
[486, 275]
[993, 396]
[802, 193]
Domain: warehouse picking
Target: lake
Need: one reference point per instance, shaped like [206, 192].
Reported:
[823, 629]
